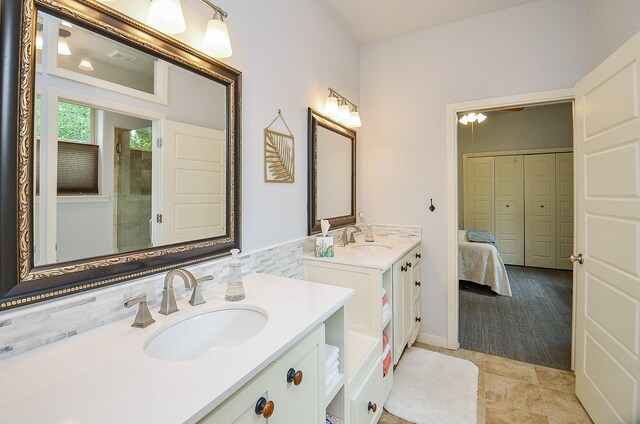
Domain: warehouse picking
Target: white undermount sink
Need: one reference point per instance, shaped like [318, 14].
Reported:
[207, 332]
[371, 247]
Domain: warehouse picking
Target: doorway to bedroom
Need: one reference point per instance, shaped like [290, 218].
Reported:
[515, 235]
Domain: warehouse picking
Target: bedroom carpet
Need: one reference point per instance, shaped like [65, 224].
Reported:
[533, 326]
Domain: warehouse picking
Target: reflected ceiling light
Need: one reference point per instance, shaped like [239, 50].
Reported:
[216, 42]
[472, 117]
[339, 108]
[67, 24]
[166, 16]
[63, 46]
[85, 65]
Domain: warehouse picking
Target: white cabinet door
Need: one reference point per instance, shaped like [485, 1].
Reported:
[301, 375]
[407, 282]
[540, 210]
[607, 149]
[509, 207]
[479, 194]
[564, 209]
[398, 307]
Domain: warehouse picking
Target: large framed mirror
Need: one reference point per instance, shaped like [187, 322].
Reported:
[119, 151]
[332, 172]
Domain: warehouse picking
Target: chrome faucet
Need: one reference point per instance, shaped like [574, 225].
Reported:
[352, 239]
[168, 304]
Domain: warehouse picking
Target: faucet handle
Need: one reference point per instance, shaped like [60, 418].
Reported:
[196, 295]
[143, 317]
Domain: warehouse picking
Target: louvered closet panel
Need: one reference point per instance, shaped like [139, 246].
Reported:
[564, 202]
[479, 194]
[509, 208]
[540, 210]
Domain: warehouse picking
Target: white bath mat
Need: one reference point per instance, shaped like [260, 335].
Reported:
[432, 388]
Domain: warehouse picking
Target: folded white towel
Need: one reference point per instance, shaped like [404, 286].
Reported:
[332, 354]
[331, 379]
[387, 349]
[386, 310]
[384, 292]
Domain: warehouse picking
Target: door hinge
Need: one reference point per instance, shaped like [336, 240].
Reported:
[159, 218]
[159, 141]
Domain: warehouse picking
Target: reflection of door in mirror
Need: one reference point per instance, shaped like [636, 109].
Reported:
[133, 158]
[334, 174]
[130, 152]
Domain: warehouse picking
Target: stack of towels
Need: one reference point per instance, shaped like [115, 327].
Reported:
[386, 308]
[386, 354]
[331, 362]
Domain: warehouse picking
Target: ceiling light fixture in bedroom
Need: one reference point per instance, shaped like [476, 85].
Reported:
[472, 117]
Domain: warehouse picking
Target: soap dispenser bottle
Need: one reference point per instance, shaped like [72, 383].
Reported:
[235, 289]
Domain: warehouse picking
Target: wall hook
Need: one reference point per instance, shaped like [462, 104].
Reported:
[432, 208]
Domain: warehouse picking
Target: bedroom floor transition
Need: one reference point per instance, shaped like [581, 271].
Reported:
[534, 325]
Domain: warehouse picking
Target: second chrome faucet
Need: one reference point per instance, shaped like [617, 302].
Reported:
[168, 303]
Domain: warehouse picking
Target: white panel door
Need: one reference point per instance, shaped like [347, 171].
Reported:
[509, 207]
[479, 194]
[564, 209]
[193, 183]
[607, 152]
[540, 210]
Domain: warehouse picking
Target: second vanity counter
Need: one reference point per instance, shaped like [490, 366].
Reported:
[380, 254]
[104, 376]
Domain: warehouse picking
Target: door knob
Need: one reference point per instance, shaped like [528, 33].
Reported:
[264, 407]
[576, 258]
[294, 376]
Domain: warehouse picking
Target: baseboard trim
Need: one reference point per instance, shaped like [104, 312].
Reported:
[432, 340]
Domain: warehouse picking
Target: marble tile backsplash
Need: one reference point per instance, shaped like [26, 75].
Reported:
[29, 327]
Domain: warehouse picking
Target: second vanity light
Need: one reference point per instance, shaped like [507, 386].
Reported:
[166, 16]
[342, 110]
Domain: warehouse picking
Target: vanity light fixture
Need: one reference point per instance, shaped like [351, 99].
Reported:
[85, 64]
[63, 45]
[39, 39]
[166, 16]
[472, 117]
[342, 110]
[216, 42]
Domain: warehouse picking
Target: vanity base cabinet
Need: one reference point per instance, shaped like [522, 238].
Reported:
[284, 402]
[406, 301]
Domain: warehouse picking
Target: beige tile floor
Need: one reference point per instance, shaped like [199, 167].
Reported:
[516, 392]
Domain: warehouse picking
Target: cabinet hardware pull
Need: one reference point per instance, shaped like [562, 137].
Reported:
[408, 264]
[372, 407]
[418, 319]
[418, 255]
[507, 205]
[418, 283]
[264, 407]
[542, 206]
[294, 376]
[403, 268]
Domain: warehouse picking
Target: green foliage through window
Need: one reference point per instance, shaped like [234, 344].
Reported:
[141, 139]
[74, 122]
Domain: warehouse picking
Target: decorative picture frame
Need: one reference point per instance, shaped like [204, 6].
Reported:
[279, 154]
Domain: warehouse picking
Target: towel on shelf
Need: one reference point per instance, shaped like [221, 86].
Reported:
[386, 310]
[331, 376]
[386, 364]
[332, 353]
[385, 300]
[384, 292]
[385, 341]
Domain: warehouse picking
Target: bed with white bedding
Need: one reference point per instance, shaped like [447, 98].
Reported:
[481, 263]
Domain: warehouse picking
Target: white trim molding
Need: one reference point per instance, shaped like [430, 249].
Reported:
[432, 340]
[543, 97]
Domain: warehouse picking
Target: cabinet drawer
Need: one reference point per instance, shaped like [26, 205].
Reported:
[368, 397]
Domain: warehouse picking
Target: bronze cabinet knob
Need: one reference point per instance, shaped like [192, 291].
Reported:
[372, 407]
[294, 376]
[418, 255]
[418, 319]
[264, 407]
[418, 283]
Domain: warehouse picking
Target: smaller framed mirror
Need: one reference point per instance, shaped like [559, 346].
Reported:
[332, 173]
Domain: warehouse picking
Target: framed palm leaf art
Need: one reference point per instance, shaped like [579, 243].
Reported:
[279, 155]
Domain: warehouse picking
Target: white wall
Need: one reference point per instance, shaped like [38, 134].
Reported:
[289, 53]
[610, 24]
[406, 83]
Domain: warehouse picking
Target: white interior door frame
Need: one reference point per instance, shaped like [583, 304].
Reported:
[452, 189]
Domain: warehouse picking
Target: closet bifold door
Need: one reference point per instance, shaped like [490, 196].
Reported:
[509, 208]
[540, 210]
[564, 206]
[479, 194]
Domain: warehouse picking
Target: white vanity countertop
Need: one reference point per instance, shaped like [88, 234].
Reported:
[379, 258]
[104, 376]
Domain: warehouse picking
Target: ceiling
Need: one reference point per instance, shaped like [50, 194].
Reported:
[369, 21]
